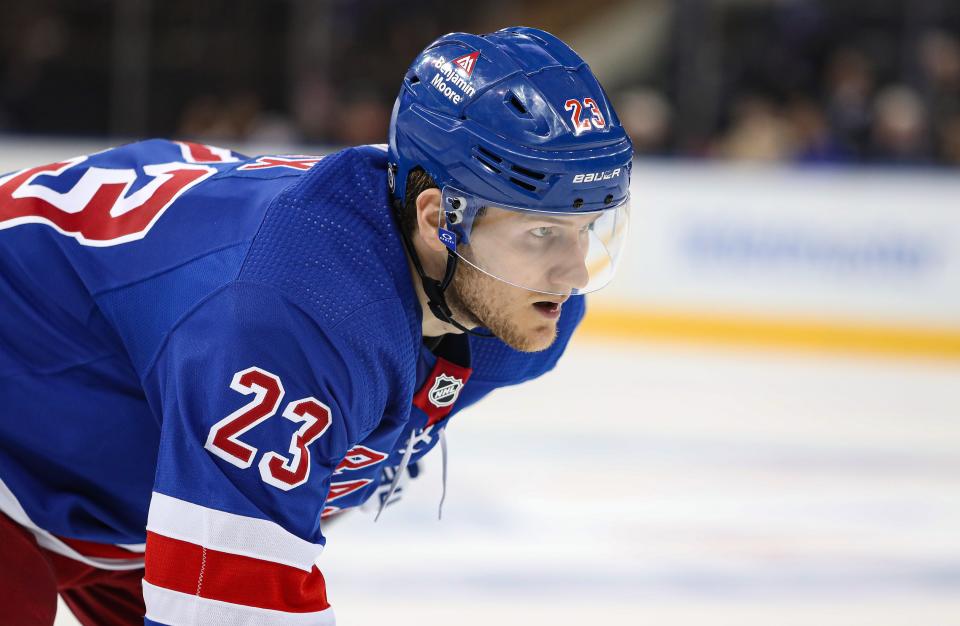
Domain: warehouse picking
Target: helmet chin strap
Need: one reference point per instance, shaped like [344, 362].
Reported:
[435, 289]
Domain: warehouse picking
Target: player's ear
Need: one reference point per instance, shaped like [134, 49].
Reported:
[428, 218]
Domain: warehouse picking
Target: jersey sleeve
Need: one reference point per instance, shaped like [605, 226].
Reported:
[255, 403]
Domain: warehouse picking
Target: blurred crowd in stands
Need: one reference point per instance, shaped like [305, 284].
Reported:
[852, 115]
[787, 80]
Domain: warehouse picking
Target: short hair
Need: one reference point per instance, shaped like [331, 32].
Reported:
[418, 181]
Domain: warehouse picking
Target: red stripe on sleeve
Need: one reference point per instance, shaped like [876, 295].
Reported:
[179, 565]
[99, 550]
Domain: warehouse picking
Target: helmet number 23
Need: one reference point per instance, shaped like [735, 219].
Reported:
[582, 125]
[275, 469]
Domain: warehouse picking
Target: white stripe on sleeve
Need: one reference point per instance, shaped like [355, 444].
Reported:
[227, 532]
[172, 607]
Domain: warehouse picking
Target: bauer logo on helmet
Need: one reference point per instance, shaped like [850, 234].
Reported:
[595, 176]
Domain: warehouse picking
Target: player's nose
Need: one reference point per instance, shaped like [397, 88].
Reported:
[571, 272]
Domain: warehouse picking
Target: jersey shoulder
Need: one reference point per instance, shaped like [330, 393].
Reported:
[329, 243]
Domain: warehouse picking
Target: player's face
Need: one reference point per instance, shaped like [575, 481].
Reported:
[537, 251]
[544, 252]
[551, 251]
[521, 318]
[525, 320]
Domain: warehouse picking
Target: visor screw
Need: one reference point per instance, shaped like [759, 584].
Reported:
[455, 203]
[608, 199]
[578, 203]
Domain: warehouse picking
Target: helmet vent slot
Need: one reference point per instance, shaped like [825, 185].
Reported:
[489, 154]
[488, 165]
[514, 101]
[529, 173]
[522, 184]
[518, 107]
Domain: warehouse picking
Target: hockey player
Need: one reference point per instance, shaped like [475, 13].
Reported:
[204, 356]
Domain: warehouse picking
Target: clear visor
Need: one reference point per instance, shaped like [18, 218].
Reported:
[551, 252]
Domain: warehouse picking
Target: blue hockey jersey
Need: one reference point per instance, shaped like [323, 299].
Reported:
[203, 355]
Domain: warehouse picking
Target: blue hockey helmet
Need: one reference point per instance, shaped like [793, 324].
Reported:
[531, 160]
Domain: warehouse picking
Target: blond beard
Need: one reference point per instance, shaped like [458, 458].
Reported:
[472, 298]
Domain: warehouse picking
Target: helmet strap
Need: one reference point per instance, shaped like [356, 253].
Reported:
[435, 290]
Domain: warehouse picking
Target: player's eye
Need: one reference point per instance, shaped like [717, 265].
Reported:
[541, 232]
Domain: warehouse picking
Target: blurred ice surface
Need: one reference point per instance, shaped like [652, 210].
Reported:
[650, 484]
[658, 484]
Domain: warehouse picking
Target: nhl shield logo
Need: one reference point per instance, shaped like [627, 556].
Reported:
[444, 391]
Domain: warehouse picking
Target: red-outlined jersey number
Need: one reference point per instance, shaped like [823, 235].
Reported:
[580, 125]
[285, 473]
[275, 469]
[223, 437]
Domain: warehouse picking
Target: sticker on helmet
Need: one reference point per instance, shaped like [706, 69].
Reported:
[467, 62]
[596, 119]
[595, 176]
[450, 82]
[448, 238]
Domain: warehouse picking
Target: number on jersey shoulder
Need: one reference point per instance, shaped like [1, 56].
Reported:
[276, 470]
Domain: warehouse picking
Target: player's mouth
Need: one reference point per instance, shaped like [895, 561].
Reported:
[548, 308]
